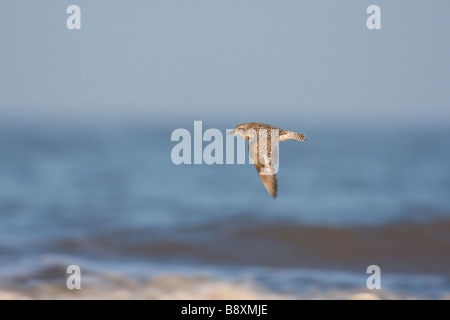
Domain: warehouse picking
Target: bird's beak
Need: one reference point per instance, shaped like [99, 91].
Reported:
[231, 132]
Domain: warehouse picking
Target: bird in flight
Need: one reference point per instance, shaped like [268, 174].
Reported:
[263, 140]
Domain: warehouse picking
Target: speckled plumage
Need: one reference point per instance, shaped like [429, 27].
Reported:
[263, 140]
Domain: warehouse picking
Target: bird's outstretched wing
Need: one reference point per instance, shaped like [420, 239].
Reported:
[266, 168]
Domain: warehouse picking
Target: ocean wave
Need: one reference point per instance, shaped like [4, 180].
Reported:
[410, 247]
[237, 259]
[165, 286]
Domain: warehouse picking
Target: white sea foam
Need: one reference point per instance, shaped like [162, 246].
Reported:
[170, 286]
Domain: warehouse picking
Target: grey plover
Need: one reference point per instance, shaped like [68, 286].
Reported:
[262, 147]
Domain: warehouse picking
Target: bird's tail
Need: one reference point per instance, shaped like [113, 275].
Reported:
[289, 135]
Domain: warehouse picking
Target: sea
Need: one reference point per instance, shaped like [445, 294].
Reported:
[107, 198]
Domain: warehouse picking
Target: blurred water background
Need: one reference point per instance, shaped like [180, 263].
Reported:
[108, 198]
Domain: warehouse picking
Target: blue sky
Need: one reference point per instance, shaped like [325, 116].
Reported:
[204, 59]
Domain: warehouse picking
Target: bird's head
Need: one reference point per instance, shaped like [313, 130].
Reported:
[242, 130]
